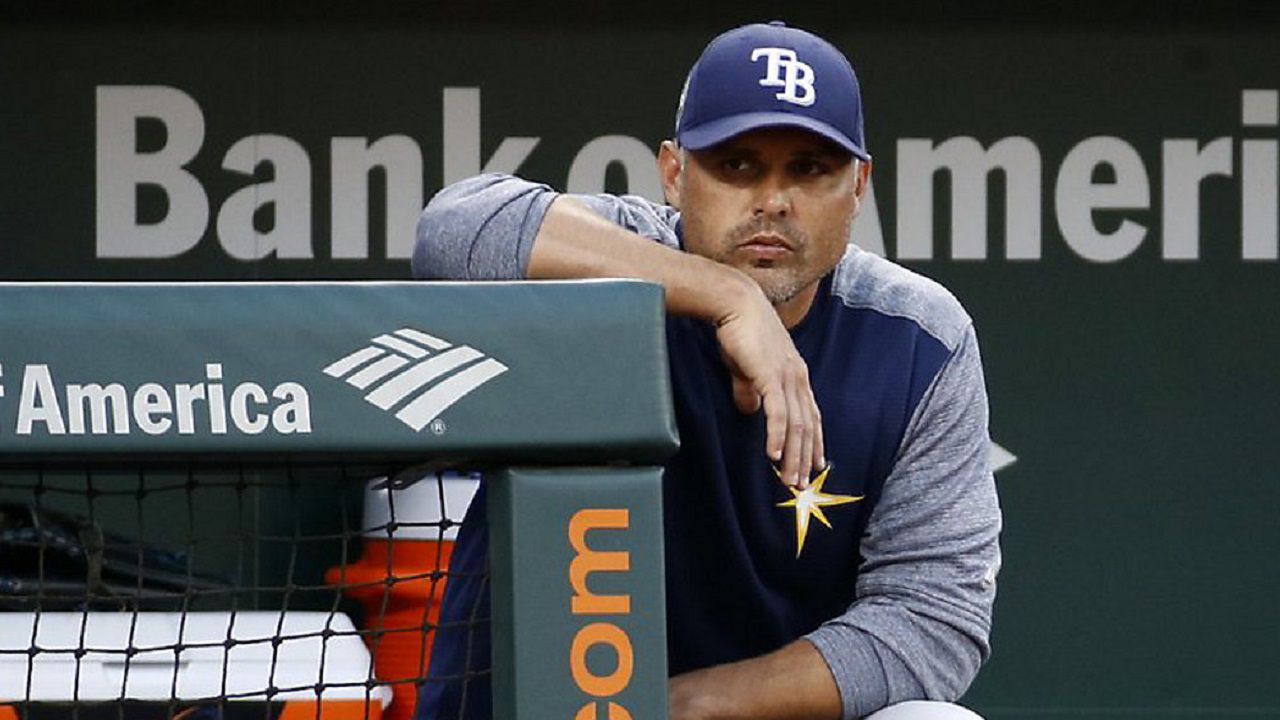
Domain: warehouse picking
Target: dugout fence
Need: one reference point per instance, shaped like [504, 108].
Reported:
[222, 500]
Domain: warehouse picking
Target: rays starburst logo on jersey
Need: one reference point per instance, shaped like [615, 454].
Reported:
[422, 374]
[809, 503]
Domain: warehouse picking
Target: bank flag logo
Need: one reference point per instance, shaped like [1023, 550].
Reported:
[421, 373]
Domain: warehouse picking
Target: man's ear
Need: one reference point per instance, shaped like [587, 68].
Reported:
[670, 172]
[861, 183]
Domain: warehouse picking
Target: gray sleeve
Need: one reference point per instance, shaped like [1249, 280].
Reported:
[919, 625]
[483, 228]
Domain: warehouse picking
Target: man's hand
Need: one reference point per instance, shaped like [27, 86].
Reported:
[574, 242]
[767, 370]
[793, 683]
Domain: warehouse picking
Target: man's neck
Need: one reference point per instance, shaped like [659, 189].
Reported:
[792, 311]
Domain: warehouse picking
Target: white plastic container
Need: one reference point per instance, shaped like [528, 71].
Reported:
[214, 668]
[422, 505]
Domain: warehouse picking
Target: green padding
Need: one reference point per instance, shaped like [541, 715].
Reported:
[579, 605]
[530, 372]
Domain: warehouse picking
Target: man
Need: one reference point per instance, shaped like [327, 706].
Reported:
[794, 358]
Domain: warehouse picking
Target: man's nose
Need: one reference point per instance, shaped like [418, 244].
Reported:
[774, 199]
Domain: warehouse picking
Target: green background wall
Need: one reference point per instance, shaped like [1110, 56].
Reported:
[1138, 394]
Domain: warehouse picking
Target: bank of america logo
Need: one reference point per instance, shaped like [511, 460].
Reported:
[419, 373]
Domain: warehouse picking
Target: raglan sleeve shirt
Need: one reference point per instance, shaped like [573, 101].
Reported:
[919, 624]
[921, 619]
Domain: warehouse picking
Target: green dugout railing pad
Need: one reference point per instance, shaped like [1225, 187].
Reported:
[530, 372]
[579, 608]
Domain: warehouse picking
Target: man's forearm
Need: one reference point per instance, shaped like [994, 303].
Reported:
[574, 242]
[793, 683]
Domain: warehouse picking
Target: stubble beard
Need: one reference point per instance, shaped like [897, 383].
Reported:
[780, 282]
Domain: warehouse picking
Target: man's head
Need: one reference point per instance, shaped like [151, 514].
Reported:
[769, 164]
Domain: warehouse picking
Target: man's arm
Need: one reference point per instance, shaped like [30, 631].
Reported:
[793, 683]
[503, 228]
[920, 625]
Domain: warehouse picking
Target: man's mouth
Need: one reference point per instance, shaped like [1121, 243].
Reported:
[767, 246]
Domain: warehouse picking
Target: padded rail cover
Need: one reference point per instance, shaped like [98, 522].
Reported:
[547, 372]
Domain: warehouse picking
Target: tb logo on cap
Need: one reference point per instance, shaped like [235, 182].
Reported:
[785, 71]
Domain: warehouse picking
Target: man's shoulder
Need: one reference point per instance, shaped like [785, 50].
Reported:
[867, 281]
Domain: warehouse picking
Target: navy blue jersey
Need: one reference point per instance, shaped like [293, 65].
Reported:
[738, 584]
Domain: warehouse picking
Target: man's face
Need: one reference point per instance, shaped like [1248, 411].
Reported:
[775, 203]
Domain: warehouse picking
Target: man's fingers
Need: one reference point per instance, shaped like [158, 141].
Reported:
[819, 444]
[818, 450]
[775, 419]
[794, 460]
[806, 451]
[804, 399]
[801, 422]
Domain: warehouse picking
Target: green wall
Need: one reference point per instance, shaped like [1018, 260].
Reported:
[1134, 380]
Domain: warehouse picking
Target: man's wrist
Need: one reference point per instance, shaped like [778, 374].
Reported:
[727, 292]
[695, 696]
[791, 683]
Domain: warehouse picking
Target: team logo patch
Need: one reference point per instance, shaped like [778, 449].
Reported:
[420, 374]
[809, 503]
[782, 69]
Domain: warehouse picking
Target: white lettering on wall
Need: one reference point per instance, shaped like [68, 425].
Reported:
[462, 140]
[151, 407]
[289, 193]
[106, 405]
[400, 158]
[98, 408]
[121, 169]
[248, 420]
[970, 168]
[1258, 205]
[1077, 196]
[1101, 219]
[1186, 165]
[39, 402]
[587, 172]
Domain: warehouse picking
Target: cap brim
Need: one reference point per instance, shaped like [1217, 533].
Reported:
[717, 131]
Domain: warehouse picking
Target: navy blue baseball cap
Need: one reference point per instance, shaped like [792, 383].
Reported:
[770, 75]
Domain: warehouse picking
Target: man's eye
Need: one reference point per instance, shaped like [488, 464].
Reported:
[735, 164]
[808, 167]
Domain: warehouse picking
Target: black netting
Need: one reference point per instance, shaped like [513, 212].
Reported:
[227, 592]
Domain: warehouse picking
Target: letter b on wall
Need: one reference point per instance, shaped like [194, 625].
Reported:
[122, 169]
